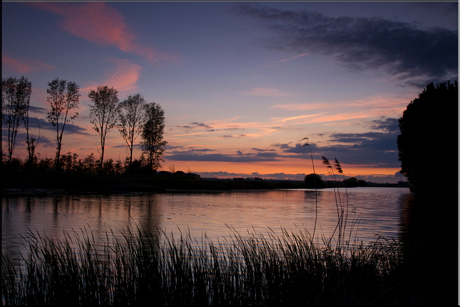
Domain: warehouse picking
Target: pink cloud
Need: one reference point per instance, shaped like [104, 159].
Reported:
[302, 106]
[300, 117]
[22, 66]
[325, 118]
[101, 24]
[266, 92]
[372, 105]
[292, 58]
[123, 78]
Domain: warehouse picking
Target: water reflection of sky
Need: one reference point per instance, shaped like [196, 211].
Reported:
[378, 209]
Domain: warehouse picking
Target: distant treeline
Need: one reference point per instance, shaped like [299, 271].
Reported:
[84, 174]
[72, 163]
[315, 181]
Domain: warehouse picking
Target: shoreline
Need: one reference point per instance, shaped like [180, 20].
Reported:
[202, 186]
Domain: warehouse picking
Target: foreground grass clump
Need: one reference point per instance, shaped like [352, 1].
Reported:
[163, 270]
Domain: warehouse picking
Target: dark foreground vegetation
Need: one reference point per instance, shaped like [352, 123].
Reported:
[253, 270]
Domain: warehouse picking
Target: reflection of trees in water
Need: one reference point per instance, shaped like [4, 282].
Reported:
[141, 213]
[309, 198]
[149, 219]
[429, 240]
[429, 217]
[406, 203]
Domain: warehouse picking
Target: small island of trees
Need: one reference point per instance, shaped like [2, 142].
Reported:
[315, 181]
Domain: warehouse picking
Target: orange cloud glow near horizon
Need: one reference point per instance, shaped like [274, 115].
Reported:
[289, 167]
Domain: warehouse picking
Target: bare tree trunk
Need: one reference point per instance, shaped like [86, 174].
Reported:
[131, 154]
[58, 148]
[102, 147]
[102, 159]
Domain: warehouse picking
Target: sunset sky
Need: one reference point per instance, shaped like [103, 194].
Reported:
[240, 83]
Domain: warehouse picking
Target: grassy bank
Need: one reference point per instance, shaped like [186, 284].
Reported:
[255, 269]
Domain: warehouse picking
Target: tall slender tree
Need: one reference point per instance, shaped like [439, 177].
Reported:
[131, 117]
[103, 113]
[153, 143]
[31, 142]
[15, 103]
[63, 98]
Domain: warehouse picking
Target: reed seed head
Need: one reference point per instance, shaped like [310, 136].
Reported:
[337, 166]
[326, 162]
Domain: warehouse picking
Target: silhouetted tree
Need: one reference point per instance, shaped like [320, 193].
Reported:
[63, 98]
[131, 118]
[118, 167]
[90, 163]
[153, 144]
[15, 103]
[103, 113]
[45, 164]
[314, 181]
[66, 161]
[351, 182]
[109, 167]
[31, 142]
[139, 166]
[429, 132]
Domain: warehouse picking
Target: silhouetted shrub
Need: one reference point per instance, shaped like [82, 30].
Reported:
[313, 181]
[45, 164]
[90, 164]
[351, 182]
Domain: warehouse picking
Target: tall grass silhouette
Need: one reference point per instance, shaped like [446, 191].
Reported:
[256, 269]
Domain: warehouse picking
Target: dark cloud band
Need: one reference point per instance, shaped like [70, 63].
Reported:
[411, 54]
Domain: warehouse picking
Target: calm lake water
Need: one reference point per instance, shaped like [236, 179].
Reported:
[376, 211]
